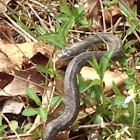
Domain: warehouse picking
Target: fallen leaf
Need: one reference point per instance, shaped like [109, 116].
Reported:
[18, 54]
[109, 77]
[5, 79]
[13, 107]
[92, 9]
[21, 81]
[5, 64]
[3, 4]
[114, 12]
[6, 34]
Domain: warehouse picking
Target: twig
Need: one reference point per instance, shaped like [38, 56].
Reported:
[41, 20]
[15, 24]
[43, 6]
[103, 15]
[14, 136]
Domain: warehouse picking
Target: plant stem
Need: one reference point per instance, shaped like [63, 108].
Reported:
[135, 119]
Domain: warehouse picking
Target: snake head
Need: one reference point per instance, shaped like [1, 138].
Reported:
[71, 51]
[66, 54]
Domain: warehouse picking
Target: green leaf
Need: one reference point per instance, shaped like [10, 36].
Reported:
[65, 9]
[98, 93]
[41, 30]
[116, 90]
[27, 127]
[0, 120]
[97, 119]
[45, 70]
[130, 72]
[30, 112]
[94, 64]
[14, 124]
[131, 29]
[129, 83]
[60, 74]
[54, 38]
[109, 2]
[104, 63]
[66, 27]
[61, 18]
[87, 101]
[58, 27]
[42, 69]
[43, 113]
[32, 95]
[85, 23]
[81, 102]
[125, 11]
[106, 100]
[118, 101]
[88, 84]
[19, 130]
[2, 128]
[56, 101]
[78, 12]
[129, 44]
[92, 94]
[135, 10]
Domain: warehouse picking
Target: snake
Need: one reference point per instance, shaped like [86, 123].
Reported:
[79, 57]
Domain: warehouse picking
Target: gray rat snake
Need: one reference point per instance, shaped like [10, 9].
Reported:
[80, 58]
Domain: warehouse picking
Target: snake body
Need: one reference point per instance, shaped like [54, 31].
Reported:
[81, 57]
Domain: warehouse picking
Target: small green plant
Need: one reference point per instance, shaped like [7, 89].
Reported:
[95, 87]
[131, 17]
[59, 37]
[34, 111]
[2, 127]
[119, 109]
[42, 111]
[66, 21]
[76, 13]
[14, 126]
[108, 2]
[97, 90]
[49, 70]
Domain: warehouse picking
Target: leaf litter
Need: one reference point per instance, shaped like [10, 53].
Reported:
[18, 65]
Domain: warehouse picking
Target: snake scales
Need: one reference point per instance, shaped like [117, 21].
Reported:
[80, 58]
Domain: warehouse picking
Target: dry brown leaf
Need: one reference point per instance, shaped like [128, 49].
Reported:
[3, 6]
[109, 77]
[6, 34]
[13, 107]
[60, 86]
[18, 85]
[115, 12]
[92, 9]
[5, 63]
[1, 42]
[5, 79]
[18, 53]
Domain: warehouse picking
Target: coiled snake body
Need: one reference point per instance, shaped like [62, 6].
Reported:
[81, 57]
